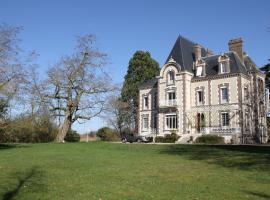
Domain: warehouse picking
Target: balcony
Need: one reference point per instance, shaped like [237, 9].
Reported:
[169, 103]
[220, 130]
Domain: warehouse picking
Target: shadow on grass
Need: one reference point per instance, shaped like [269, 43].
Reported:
[258, 194]
[244, 157]
[11, 146]
[30, 178]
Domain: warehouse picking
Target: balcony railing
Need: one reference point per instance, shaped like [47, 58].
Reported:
[221, 130]
[171, 102]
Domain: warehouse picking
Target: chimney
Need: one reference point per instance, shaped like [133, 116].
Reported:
[197, 51]
[236, 45]
[209, 52]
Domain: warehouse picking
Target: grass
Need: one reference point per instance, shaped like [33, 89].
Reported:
[105, 171]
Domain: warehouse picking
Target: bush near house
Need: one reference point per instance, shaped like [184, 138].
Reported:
[108, 134]
[210, 139]
[72, 136]
[169, 138]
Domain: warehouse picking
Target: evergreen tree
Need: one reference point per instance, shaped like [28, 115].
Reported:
[266, 70]
[141, 68]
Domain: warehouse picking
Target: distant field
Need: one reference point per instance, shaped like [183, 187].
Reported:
[105, 171]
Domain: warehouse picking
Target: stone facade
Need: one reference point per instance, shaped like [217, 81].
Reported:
[214, 94]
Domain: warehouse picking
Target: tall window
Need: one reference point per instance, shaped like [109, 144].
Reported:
[171, 121]
[199, 71]
[145, 102]
[170, 77]
[224, 95]
[199, 97]
[171, 98]
[224, 68]
[225, 120]
[145, 123]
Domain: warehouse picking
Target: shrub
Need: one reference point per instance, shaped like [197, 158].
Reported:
[72, 136]
[107, 134]
[169, 138]
[28, 129]
[210, 139]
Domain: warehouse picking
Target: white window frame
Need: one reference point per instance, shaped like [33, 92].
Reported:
[171, 121]
[145, 123]
[145, 102]
[225, 122]
[171, 102]
[222, 100]
[223, 67]
[170, 77]
[199, 71]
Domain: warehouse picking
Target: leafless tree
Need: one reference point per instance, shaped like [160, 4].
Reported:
[116, 113]
[77, 86]
[11, 71]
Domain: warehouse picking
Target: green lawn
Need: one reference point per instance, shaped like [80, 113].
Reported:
[105, 171]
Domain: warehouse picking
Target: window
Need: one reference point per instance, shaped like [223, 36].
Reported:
[225, 120]
[170, 77]
[171, 121]
[223, 67]
[224, 95]
[145, 102]
[145, 123]
[199, 97]
[199, 71]
[171, 95]
[171, 98]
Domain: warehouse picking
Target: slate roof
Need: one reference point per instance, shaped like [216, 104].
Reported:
[183, 53]
[152, 83]
[236, 65]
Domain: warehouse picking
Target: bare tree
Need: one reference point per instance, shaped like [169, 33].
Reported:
[11, 73]
[117, 113]
[77, 85]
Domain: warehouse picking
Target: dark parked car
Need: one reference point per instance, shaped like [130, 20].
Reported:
[135, 138]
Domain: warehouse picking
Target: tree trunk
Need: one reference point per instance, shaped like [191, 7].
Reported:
[63, 129]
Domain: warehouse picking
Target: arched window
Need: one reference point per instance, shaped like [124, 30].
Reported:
[170, 77]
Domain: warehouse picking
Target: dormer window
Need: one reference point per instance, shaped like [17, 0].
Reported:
[170, 78]
[223, 67]
[199, 71]
[224, 64]
[200, 68]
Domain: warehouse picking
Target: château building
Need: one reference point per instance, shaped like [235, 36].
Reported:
[198, 92]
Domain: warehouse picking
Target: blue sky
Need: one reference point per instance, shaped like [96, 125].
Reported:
[124, 26]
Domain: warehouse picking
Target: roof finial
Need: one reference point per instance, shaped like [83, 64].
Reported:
[171, 60]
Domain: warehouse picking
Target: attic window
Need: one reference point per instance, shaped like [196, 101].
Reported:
[224, 64]
[199, 71]
[224, 68]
